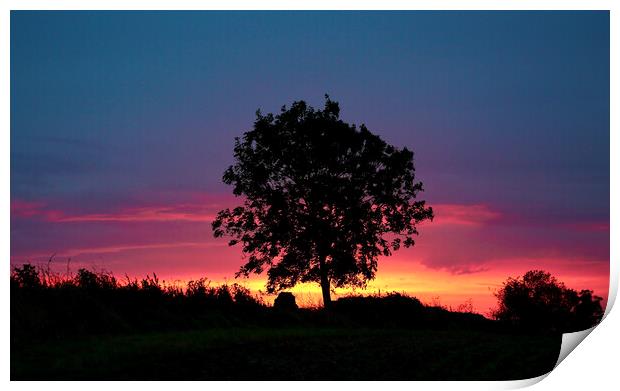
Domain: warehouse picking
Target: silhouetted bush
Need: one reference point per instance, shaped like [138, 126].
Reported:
[86, 279]
[26, 277]
[537, 301]
[400, 310]
[285, 302]
[244, 298]
[393, 308]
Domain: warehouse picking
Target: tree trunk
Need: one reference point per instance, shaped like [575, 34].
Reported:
[327, 300]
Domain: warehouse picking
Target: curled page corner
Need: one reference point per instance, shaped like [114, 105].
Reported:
[570, 342]
[523, 383]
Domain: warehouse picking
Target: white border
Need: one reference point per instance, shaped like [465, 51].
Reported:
[590, 367]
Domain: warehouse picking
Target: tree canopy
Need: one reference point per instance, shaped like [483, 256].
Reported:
[322, 199]
[538, 301]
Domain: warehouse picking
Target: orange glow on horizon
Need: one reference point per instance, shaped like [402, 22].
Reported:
[431, 286]
[464, 254]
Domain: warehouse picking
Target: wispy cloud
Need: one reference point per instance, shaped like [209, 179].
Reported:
[33, 209]
[452, 214]
[129, 247]
[112, 249]
[180, 212]
[461, 214]
[156, 213]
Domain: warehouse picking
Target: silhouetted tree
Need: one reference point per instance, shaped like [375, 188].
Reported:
[320, 198]
[539, 301]
[588, 311]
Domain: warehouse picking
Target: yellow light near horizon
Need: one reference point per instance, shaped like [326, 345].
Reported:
[429, 285]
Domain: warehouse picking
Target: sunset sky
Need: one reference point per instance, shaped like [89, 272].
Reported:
[123, 123]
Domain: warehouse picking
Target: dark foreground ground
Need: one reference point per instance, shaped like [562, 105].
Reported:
[290, 354]
[89, 326]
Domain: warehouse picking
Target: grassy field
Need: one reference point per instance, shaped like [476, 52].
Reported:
[290, 354]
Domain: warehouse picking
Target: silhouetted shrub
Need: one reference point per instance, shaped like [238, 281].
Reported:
[244, 298]
[401, 310]
[223, 297]
[197, 289]
[86, 279]
[26, 277]
[390, 309]
[285, 302]
[151, 285]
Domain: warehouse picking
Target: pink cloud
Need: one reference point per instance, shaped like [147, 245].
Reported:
[202, 208]
[33, 209]
[131, 247]
[183, 212]
[198, 212]
[21, 208]
[458, 214]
